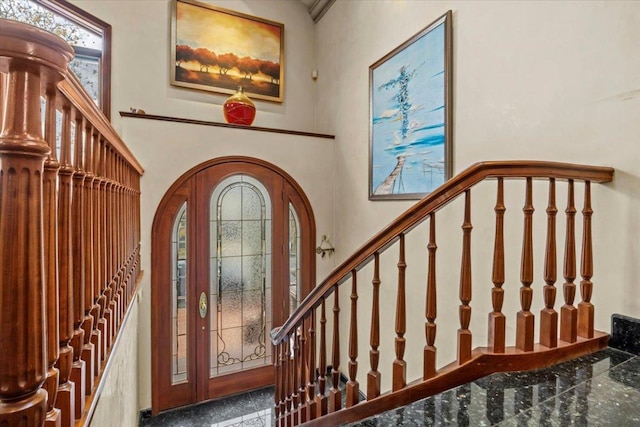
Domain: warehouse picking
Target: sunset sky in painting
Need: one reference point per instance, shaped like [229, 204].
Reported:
[225, 33]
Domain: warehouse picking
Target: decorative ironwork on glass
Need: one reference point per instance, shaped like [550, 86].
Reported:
[179, 297]
[240, 286]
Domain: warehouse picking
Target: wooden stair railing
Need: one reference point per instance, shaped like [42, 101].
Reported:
[561, 337]
[69, 234]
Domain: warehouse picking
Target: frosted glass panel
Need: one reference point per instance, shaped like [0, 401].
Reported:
[229, 346]
[240, 210]
[294, 260]
[232, 207]
[252, 308]
[230, 309]
[252, 204]
[252, 272]
[179, 337]
[252, 237]
[231, 236]
[231, 274]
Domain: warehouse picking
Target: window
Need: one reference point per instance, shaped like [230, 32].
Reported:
[89, 36]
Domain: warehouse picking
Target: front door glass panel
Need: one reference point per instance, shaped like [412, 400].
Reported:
[240, 278]
[179, 297]
[294, 260]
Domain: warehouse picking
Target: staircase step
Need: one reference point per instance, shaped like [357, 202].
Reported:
[601, 388]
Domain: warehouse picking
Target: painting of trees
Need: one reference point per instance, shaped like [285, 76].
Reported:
[226, 62]
[184, 53]
[272, 70]
[248, 66]
[217, 50]
[206, 58]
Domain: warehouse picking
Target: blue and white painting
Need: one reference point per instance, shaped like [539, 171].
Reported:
[408, 119]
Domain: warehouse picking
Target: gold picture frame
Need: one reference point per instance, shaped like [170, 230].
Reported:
[216, 50]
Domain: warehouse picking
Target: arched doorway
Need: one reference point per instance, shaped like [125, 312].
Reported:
[232, 255]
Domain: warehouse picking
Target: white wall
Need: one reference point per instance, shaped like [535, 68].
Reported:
[532, 80]
[120, 393]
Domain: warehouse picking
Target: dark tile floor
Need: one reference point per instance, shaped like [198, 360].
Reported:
[601, 389]
[249, 409]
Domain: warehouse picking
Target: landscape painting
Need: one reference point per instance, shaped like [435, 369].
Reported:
[410, 116]
[217, 50]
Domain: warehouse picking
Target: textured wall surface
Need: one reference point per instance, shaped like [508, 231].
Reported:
[118, 403]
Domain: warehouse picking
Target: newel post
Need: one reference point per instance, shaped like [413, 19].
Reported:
[30, 56]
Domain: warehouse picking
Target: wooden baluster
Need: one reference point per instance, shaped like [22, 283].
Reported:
[429, 368]
[109, 310]
[115, 283]
[66, 389]
[111, 248]
[123, 237]
[497, 321]
[277, 368]
[283, 382]
[130, 232]
[289, 399]
[302, 390]
[321, 397]
[585, 308]
[104, 246]
[125, 241]
[116, 237]
[96, 337]
[50, 216]
[90, 320]
[464, 334]
[120, 233]
[137, 220]
[335, 394]
[98, 255]
[525, 318]
[548, 316]
[568, 313]
[312, 409]
[373, 376]
[353, 387]
[82, 364]
[4, 84]
[295, 399]
[399, 370]
[22, 286]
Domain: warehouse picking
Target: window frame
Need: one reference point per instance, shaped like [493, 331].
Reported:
[86, 20]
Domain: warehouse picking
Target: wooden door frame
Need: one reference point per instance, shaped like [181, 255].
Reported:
[181, 190]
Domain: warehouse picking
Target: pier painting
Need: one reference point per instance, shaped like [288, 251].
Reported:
[410, 107]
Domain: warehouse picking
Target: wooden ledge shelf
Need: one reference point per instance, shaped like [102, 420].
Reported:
[223, 125]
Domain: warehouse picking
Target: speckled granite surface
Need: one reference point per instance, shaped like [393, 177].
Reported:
[601, 389]
[249, 409]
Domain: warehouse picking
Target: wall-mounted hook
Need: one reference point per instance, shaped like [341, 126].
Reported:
[325, 247]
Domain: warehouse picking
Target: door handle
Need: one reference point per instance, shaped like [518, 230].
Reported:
[202, 305]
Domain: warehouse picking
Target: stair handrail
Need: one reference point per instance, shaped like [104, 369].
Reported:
[431, 203]
[70, 204]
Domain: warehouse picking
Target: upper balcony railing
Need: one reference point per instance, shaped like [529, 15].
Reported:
[301, 394]
[69, 233]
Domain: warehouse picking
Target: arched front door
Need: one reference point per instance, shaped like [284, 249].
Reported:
[232, 254]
